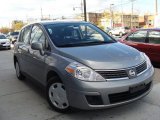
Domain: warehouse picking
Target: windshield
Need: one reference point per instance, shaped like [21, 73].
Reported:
[14, 33]
[77, 34]
[2, 37]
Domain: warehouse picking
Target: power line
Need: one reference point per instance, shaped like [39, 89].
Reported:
[115, 6]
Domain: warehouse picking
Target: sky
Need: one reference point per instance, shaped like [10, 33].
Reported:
[24, 9]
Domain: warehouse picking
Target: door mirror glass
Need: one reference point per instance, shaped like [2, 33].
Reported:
[37, 46]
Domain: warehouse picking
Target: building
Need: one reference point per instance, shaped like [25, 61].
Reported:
[94, 17]
[131, 21]
[146, 21]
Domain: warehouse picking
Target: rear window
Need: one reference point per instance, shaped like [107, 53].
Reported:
[154, 37]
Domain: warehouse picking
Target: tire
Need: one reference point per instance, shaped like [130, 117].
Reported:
[19, 74]
[120, 34]
[9, 48]
[110, 34]
[56, 95]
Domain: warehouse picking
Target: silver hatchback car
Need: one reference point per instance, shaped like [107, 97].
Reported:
[81, 66]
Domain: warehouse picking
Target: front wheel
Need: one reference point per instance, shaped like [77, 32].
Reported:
[19, 74]
[56, 95]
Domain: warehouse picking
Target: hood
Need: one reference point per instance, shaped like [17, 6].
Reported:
[4, 40]
[106, 56]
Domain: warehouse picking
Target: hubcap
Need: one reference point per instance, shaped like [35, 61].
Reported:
[57, 95]
[17, 70]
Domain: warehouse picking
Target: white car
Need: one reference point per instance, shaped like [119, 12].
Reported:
[4, 42]
[119, 31]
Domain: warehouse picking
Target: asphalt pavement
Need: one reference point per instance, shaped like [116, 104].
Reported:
[23, 100]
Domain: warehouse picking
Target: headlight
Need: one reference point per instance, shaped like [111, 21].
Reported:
[8, 42]
[147, 60]
[82, 72]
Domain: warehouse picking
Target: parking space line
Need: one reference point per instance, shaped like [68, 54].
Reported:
[16, 93]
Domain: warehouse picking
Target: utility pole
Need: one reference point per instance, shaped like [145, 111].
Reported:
[85, 11]
[132, 14]
[41, 14]
[122, 15]
[156, 4]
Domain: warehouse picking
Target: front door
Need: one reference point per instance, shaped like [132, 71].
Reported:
[138, 40]
[37, 60]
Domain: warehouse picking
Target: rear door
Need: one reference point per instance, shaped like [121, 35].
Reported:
[138, 40]
[154, 46]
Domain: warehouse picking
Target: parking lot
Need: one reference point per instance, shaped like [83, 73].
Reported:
[26, 101]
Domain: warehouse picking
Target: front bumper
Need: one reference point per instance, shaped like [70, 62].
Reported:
[79, 91]
[5, 46]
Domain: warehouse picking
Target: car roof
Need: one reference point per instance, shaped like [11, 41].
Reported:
[157, 29]
[56, 22]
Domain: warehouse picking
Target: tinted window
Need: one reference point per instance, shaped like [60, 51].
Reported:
[25, 35]
[139, 36]
[15, 33]
[2, 37]
[37, 35]
[154, 37]
[76, 34]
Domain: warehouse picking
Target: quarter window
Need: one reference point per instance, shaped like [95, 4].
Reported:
[139, 36]
[154, 37]
[25, 35]
[37, 35]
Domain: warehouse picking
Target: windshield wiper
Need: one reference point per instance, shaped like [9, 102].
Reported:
[85, 43]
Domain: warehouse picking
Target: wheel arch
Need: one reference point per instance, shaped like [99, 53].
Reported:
[15, 59]
[53, 73]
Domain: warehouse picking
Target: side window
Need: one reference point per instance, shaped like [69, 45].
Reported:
[154, 37]
[139, 36]
[37, 35]
[25, 35]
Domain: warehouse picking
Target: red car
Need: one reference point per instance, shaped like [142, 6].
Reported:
[145, 40]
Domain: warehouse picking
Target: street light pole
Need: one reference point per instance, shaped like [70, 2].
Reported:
[111, 11]
[85, 11]
[156, 5]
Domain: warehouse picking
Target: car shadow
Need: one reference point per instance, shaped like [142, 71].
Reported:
[156, 65]
[103, 114]
[100, 114]
[35, 86]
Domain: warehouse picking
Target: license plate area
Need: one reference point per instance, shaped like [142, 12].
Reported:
[137, 88]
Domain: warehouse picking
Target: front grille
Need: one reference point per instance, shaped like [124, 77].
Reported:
[124, 96]
[2, 43]
[113, 74]
[141, 68]
[116, 74]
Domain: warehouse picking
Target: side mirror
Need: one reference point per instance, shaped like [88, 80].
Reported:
[37, 46]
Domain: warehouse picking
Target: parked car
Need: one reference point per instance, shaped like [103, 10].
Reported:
[107, 29]
[13, 36]
[145, 40]
[119, 31]
[81, 66]
[4, 42]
